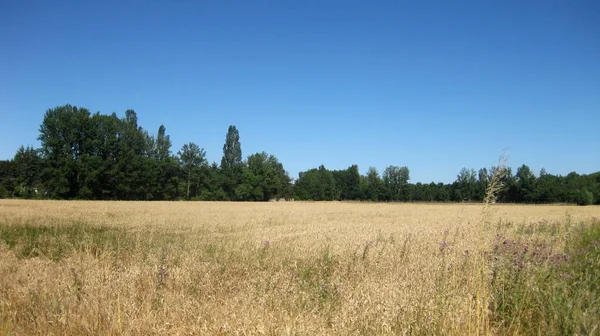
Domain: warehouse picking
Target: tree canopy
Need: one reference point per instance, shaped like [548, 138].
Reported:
[86, 155]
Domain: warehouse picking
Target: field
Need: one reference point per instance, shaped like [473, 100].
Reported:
[191, 268]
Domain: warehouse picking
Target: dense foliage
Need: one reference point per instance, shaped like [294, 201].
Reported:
[104, 157]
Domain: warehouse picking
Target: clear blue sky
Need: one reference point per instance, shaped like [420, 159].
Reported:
[433, 85]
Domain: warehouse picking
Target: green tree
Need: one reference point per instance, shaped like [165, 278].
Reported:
[232, 149]
[62, 135]
[483, 180]
[374, 185]
[395, 181]
[191, 158]
[575, 189]
[442, 193]
[163, 168]
[316, 184]
[27, 172]
[465, 185]
[417, 192]
[162, 148]
[270, 178]
[526, 185]
[215, 182]
[231, 162]
[7, 178]
[548, 188]
[509, 182]
[352, 183]
[133, 167]
[583, 197]
[248, 189]
[101, 153]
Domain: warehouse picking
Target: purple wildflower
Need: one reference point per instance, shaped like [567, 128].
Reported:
[443, 246]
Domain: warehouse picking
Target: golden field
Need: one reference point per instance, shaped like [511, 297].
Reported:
[194, 268]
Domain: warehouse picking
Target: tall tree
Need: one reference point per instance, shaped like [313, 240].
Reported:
[267, 179]
[165, 178]
[232, 150]
[7, 178]
[215, 184]
[483, 181]
[316, 184]
[395, 180]
[352, 183]
[374, 185]
[163, 144]
[191, 158]
[102, 150]
[465, 185]
[526, 184]
[28, 167]
[443, 193]
[231, 164]
[62, 134]
[509, 181]
[134, 171]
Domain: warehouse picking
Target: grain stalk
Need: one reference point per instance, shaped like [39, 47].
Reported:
[494, 187]
[482, 296]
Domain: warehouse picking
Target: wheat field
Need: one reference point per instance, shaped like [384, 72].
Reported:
[194, 268]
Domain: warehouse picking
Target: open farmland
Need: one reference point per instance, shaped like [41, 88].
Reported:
[191, 268]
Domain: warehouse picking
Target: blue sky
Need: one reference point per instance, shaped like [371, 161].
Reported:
[432, 85]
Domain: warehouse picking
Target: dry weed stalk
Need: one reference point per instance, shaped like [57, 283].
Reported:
[483, 292]
[495, 185]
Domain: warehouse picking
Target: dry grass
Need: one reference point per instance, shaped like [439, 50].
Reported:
[252, 268]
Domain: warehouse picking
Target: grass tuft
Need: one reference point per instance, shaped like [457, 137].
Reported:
[55, 242]
[538, 288]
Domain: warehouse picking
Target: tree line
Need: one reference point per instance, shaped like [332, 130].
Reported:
[93, 156]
